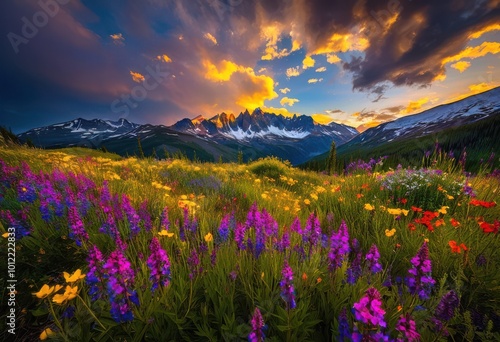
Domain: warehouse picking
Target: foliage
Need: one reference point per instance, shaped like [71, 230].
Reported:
[175, 250]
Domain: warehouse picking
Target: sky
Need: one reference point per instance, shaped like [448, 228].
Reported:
[360, 63]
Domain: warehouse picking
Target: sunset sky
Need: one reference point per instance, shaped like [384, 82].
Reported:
[359, 63]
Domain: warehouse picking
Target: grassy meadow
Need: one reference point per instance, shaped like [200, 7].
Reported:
[129, 249]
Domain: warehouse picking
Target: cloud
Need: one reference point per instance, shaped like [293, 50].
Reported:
[474, 52]
[255, 89]
[272, 34]
[308, 62]
[117, 38]
[293, 72]
[137, 77]
[342, 43]
[474, 89]
[314, 80]
[261, 70]
[461, 66]
[334, 111]
[492, 27]
[286, 101]
[284, 90]
[322, 118]
[413, 106]
[332, 58]
[164, 58]
[322, 69]
[210, 37]
[279, 111]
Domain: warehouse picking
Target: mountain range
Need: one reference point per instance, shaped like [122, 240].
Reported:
[258, 134]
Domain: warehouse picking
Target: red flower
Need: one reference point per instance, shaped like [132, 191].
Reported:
[490, 227]
[484, 204]
[454, 222]
[416, 209]
[403, 200]
[457, 248]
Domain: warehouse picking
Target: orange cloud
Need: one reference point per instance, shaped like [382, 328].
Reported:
[137, 77]
[117, 38]
[473, 90]
[332, 58]
[415, 105]
[308, 62]
[210, 37]
[282, 111]
[342, 43]
[363, 127]
[474, 52]
[272, 34]
[493, 27]
[293, 72]
[461, 66]
[322, 118]
[254, 89]
[164, 58]
[314, 80]
[286, 101]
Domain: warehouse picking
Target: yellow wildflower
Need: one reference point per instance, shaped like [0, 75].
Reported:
[405, 212]
[395, 211]
[164, 232]
[314, 196]
[74, 277]
[443, 210]
[450, 197]
[307, 201]
[264, 196]
[390, 233]
[46, 333]
[44, 291]
[369, 207]
[68, 294]
[209, 237]
[5, 235]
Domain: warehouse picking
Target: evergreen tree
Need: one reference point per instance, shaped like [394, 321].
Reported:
[332, 159]
[141, 152]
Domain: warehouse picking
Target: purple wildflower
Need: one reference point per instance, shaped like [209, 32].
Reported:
[194, 264]
[344, 329]
[369, 309]
[407, 326]
[95, 274]
[339, 247]
[260, 239]
[120, 276]
[373, 259]
[312, 231]
[132, 216]
[420, 279]
[26, 192]
[239, 236]
[159, 265]
[77, 229]
[354, 272]
[295, 227]
[286, 284]
[269, 223]
[446, 307]
[257, 333]
[253, 216]
[224, 227]
[213, 256]
[144, 215]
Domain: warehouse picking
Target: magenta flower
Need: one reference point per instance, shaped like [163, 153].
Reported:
[420, 279]
[159, 265]
[77, 229]
[372, 257]
[95, 275]
[257, 333]
[407, 326]
[286, 284]
[339, 247]
[369, 309]
[120, 277]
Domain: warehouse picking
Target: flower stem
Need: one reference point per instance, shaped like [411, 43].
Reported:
[91, 312]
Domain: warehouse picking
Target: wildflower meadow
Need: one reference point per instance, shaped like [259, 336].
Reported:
[129, 249]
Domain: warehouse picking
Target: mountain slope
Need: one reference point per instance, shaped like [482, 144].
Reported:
[78, 132]
[472, 123]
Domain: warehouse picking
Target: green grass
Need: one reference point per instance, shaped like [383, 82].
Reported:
[211, 305]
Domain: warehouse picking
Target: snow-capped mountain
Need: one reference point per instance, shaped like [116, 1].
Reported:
[459, 113]
[262, 125]
[78, 132]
